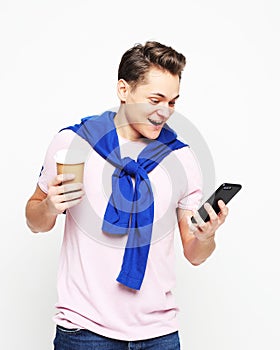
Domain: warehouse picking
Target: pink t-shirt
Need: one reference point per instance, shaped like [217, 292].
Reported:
[88, 294]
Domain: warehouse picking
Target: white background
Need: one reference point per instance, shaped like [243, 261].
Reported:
[58, 63]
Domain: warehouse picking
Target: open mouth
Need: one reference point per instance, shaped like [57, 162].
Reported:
[155, 122]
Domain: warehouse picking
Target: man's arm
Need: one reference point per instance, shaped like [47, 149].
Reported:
[199, 240]
[42, 209]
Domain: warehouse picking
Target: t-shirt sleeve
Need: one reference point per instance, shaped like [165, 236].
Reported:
[192, 195]
[60, 141]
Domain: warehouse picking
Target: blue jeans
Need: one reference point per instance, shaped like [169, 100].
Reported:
[81, 339]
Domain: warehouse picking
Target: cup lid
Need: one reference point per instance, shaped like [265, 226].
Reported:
[70, 156]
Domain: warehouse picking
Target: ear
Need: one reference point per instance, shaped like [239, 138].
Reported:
[122, 90]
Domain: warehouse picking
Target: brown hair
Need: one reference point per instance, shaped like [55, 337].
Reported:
[138, 60]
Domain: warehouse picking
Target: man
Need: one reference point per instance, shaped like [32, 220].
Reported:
[116, 270]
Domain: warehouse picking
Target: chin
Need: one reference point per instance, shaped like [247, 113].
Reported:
[150, 133]
[153, 135]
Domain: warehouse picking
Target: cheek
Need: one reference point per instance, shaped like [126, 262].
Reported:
[138, 111]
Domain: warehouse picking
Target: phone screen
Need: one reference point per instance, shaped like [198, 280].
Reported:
[225, 192]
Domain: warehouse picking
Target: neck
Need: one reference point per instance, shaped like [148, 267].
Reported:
[124, 128]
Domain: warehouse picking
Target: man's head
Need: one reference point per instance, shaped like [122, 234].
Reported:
[137, 61]
[148, 87]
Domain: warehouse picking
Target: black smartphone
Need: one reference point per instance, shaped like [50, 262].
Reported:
[225, 192]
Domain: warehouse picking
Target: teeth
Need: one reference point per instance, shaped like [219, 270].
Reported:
[154, 122]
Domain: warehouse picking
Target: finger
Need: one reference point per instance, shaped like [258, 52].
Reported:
[223, 208]
[70, 187]
[72, 203]
[192, 226]
[199, 220]
[211, 212]
[71, 196]
[61, 207]
[57, 180]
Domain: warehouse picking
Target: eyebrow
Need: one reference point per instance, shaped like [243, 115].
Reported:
[163, 96]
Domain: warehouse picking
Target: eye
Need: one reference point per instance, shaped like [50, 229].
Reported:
[154, 101]
[172, 103]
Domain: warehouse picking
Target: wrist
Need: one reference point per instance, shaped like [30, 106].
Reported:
[205, 238]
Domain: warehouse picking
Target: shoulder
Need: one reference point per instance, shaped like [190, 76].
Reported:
[67, 139]
[187, 157]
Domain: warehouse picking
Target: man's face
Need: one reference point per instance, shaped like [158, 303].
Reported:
[149, 105]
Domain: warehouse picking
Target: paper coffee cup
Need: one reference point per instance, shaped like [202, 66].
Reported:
[70, 161]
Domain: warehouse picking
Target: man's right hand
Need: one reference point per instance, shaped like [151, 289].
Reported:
[42, 209]
[63, 194]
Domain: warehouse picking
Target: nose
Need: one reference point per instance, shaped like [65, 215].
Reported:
[164, 111]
